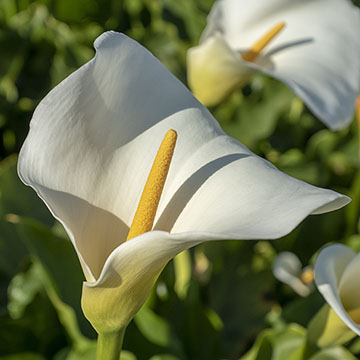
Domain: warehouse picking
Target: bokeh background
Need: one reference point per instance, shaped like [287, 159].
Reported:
[213, 301]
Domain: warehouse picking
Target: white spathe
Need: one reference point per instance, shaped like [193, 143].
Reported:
[91, 145]
[337, 270]
[288, 269]
[317, 54]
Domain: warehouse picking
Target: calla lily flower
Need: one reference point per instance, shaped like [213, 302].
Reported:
[91, 144]
[288, 269]
[337, 270]
[311, 46]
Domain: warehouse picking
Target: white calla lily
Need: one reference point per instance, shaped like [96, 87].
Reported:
[337, 271]
[91, 145]
[288, 269]
[317, 54]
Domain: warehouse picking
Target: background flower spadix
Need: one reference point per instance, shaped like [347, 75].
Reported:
[91, 144]
[317, 54]
[337, 270]
[288, 269]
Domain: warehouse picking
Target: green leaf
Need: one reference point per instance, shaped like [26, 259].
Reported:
[88, 353]
[322, 144]
[333, 353]
[200, 326]
[13, 251]
[66, 10]
[273, 344]
[64, 277]
[187, 12]
[239, 299]
[153, 327]
[257, 117]
[302, 310]
[22, 290]
[7, 9]
[37, 331]
[127, 355]
[327, 329]
[353, 209]
[16, 198]
[296, 164]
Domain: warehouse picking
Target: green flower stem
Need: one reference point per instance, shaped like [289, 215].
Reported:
[109, 345]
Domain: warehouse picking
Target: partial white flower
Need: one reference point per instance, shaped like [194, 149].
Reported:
[91, 145]
[337, 271]
[288, 269]
[317, 53]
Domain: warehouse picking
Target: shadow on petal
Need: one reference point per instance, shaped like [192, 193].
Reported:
[111, 279]
[264, 59]
[187, 190]
[289, 45]
[96, 232]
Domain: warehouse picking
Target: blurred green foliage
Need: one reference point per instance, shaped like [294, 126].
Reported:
[213, 301]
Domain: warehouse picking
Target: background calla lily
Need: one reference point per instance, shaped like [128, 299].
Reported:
[91, 144]
[337, 278]
[288, 269]
[317, 54]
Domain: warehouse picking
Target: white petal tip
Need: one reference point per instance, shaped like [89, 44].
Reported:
[107, 38]
[337, 203]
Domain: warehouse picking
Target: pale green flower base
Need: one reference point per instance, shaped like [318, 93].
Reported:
[109, 345]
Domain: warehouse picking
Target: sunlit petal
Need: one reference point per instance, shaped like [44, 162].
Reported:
[94, 137]
[317, 55]
[92, 142]
[349, 287]
[226, 189]
[329, 268]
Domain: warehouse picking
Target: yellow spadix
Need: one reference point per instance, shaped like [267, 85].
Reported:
[259, 45]
[145, 214]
